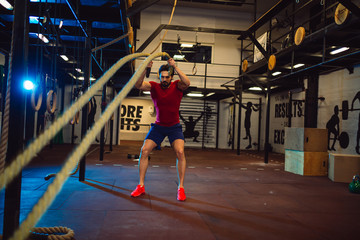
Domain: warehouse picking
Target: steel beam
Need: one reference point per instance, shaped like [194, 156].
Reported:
[185, 28]
[140, 5]
[76, 18]
[85, 109]
[277, 8]
[351, 6]
[15, 142]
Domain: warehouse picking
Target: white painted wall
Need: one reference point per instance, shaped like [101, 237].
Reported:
[279, 120]
[225, 113]
[136, 111]
[2, 59]
[77, 131]
[226, 48]
[337, 87]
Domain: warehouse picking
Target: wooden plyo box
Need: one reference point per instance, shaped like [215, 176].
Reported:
[306, 139]
[306, 163]
[342, 167]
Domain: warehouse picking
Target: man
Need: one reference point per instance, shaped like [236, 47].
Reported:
[166, 96]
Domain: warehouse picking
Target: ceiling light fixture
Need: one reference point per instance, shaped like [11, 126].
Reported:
[6, 5]
[255, 89]
[81, 78]
[339, 50]
[276, 73]
[299, 65]
[210, 94]
[146, 92]
[187, 45]
[64, 57]
[71, 75]
[195, 95]
[42, 38]
[34, 20]
[61, 24]
[179, 57]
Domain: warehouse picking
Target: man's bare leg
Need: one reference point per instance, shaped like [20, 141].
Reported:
[146, 149]
[178, 146]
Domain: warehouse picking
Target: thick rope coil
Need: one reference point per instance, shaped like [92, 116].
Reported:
[5, 127]
[44, 202]
[49, 233]
[25, 157]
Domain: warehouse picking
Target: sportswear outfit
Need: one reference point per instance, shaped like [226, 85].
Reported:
[167, 104]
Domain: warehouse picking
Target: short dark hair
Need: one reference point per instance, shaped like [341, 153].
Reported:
[168, 68]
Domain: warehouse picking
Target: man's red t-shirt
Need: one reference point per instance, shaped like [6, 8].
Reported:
[167, 103]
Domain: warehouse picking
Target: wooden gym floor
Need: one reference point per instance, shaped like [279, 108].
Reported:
[228, 197]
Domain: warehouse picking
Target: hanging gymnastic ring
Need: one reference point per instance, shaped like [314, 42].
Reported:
[90, 106]
[72, 121]
[51, 109]
[194, 69]
[75, 119]
[36, 106]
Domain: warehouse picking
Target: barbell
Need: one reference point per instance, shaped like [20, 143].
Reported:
[343, 139]
[345, 109]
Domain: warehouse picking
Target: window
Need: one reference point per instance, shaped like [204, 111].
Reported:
[196, 53]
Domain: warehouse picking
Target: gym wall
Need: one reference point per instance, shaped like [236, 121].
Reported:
[67, 130]
[136, 115]
[337, 87]
[279, 110]
[2, 59]
[226, 125]
[225, 48]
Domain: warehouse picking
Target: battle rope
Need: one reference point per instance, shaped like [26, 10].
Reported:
[44, 202]
[171, 17]
[24, 158]
[111, 42]
[5, 127]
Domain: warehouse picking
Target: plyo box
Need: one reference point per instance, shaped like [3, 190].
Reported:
[306, 139]
[342, 167]
[306, 163]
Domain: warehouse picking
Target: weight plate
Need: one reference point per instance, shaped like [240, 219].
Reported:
[344, 139]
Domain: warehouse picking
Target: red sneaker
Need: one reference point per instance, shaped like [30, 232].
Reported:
[181, 194]
[139, 190]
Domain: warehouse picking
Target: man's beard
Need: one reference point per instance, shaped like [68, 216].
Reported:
[165, 84]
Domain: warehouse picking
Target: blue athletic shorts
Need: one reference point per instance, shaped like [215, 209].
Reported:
[157, 133]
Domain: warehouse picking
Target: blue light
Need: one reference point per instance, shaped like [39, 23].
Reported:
[28, 85]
